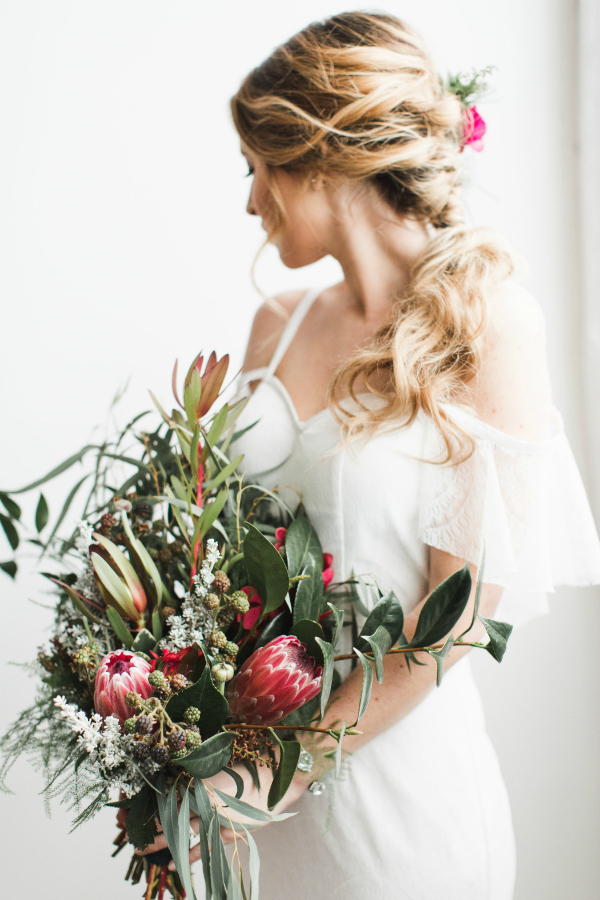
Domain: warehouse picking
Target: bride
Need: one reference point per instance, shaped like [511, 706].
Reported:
[410, 406]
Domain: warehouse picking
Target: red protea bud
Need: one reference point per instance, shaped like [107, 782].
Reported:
[273, 682]
[119, 673]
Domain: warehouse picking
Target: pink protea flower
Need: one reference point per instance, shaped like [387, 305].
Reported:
[474, 130]
[120, 672]
[277, 679]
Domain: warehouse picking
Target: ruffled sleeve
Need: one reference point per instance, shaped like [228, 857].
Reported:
[525, 501]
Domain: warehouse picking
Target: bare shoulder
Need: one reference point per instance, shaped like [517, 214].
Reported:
[267, 327]
[512, 389]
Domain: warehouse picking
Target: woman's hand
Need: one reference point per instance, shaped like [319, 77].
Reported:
[223, 782]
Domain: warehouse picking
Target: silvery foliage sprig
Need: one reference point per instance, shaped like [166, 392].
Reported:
[195, 622]
[469, 86]
[109, 751]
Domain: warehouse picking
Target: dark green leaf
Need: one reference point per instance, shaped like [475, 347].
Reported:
[380, 643]
[119, 627]
[10, 531]
[387, 613]
[205, 855]
[141, 818]
[144, 641]
[367, 685]
[251, 767]
[225, 473]
[12, 508]
[328, 670]
[41, 514]
[167, 810]
[288, 762]
[76, 599]
[9, 567]
[443, 608]
[311, 634]
[156, 625]
[440, 655]
[301, 545]
[212, 756]
[281, 624]
[498, 633]
[309, 595]
[266, 568]
[204, 808]
[213, 706]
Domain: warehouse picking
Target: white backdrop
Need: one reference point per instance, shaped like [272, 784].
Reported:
[125, 245]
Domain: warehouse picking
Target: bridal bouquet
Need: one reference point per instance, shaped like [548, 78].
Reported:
[196, 623]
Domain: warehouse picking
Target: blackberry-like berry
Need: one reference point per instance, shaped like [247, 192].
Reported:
[211, 601]
[192, 728]
[239, 602]
[160, 754]
[218, 639]
[165, 556]
[130, 726]
[177, 740]
[169, 611]
[221, 582]
[144, 725]
[226, 617]
[178, 682]
[143, 510]
[161, 694]
[157, 679]
[192, 740]
[108, 521]
[141, 752]
[191, 715]
[176, 548]
[231, 649]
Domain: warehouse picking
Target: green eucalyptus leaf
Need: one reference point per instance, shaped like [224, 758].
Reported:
[338, 750]
[254, 866]
[380, 643]
[65, 508]
[41, 514]
[205, 810]
[278, 626]
[328, 670]
[498, 633]
[247, 810]
[440, 655]
[57, 471]
[301, 545]
[211, 511]
[443, 608]
[478, 588]
[266, 568]
[219, 872]
[204, 851]
[339, 622]
[183, 842]
[12, 535]
[224, 474]
[367, 685]
[239, 781]
[288, 762]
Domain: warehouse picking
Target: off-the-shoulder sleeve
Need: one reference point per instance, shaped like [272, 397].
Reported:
[526, 502]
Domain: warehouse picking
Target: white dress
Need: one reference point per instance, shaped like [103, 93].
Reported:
[420, 812]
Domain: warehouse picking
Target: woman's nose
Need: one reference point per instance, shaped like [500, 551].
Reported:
[250, 207]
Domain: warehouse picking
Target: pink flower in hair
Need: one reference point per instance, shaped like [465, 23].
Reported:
[474, 130]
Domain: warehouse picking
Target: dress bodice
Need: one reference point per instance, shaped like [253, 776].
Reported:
[378, 504]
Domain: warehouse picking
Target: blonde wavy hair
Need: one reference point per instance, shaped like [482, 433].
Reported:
[357, 97]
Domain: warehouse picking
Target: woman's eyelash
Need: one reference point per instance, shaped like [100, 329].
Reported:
[249, 172]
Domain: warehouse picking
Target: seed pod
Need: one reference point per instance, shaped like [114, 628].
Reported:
[108, 521]
[143, 510]
[176, 548]
[168, 611]
[165, 556]
[211, 601]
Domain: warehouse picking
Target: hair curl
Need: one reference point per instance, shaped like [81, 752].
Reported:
[357, 97]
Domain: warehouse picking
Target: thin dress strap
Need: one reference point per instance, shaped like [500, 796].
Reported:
[288, 334]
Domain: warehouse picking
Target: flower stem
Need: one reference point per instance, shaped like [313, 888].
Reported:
[411, 649]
